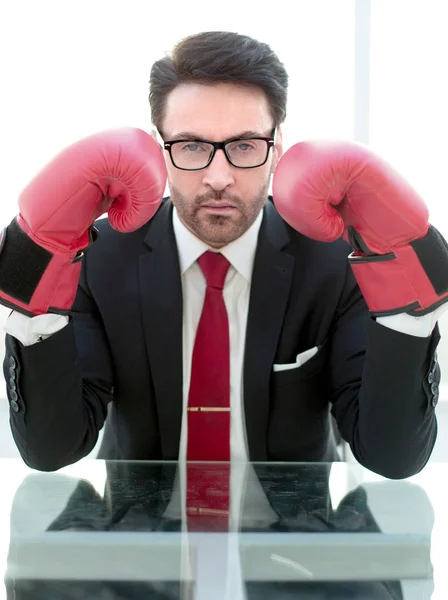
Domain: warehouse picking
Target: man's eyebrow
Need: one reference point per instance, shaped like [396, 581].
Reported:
[185, 135]
[189, 135]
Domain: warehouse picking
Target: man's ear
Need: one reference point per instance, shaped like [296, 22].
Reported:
[278, 148]
[158, 138]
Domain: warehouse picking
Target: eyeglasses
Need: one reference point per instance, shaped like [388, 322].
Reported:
[243, 153]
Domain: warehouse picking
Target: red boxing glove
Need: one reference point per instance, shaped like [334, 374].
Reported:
[328, 189]
[121, 172]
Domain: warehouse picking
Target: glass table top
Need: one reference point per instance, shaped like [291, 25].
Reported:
[118, 530]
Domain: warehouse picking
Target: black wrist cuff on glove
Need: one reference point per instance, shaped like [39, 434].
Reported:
[22, 263]
[411, 279]
[432, 252]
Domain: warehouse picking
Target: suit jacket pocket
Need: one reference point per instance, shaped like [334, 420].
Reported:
[299, 411]
[305, 371]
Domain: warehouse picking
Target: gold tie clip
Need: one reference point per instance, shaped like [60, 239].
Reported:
[208, 409]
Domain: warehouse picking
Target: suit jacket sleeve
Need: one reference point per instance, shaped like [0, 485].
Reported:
[59, 392]
[384, 387]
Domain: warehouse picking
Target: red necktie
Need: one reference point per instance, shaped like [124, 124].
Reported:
[209, 405]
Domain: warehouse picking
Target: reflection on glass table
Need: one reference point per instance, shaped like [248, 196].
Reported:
[121, 530]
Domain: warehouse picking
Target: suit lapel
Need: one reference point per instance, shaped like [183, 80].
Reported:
[271, 283]
[161, 305]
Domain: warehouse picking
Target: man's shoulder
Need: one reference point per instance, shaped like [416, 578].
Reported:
[298, 242]
[111, 240]
[337, 248]
[106, 230]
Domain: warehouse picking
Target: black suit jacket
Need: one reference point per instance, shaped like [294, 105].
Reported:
[121, 357]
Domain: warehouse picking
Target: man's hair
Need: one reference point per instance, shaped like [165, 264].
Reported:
[216, 57]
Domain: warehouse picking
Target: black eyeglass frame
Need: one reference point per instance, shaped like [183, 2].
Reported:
[221, 146]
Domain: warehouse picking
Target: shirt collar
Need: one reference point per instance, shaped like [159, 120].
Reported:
[240, 253]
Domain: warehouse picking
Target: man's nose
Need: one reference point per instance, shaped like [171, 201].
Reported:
[220, 173]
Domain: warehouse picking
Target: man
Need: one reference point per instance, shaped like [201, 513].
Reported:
[209, 328]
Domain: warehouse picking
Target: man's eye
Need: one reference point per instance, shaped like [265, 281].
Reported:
[193, 147]
[244, 147]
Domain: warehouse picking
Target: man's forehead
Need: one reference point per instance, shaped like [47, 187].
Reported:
[216, 111]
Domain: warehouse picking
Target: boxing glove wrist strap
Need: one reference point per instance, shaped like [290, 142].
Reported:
[412, 279]
[34, 280]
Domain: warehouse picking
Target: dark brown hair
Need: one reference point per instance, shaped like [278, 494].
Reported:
[219, 56]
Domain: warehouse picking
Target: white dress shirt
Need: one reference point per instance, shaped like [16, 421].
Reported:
[241, 255]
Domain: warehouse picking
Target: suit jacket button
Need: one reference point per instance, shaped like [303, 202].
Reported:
[12, 383]
[14, 406]
[12, 362]
[431, 377]
[435, 399]
[435, 388]
[12, 372]
[13, 395]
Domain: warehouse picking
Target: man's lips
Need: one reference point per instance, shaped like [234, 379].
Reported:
[220, 206]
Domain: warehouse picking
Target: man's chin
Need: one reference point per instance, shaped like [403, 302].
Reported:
[218, 235]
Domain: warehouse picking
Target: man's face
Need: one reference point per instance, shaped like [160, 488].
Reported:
[219, 203]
